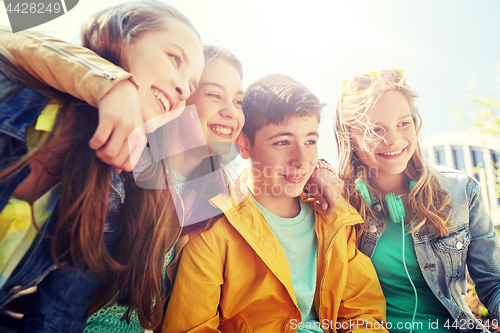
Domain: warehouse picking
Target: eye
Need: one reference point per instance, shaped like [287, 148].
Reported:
[176, 59]
[214, 95]
[377, 130]
[282, 143]
[311, 142]
[404, 123]
[238, 103]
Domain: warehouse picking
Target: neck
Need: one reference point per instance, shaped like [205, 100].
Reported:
[281, 206]
[397, 184]
[184, 163]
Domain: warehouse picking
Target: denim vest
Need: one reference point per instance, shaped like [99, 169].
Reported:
[65, 294]
[472, 243]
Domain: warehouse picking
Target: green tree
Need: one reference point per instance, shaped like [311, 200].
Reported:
[486, 119]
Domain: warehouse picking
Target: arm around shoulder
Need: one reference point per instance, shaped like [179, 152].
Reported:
[71, 69]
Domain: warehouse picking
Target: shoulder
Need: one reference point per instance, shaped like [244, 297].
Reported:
[219, 232]
[345, 212]
[458, 183]
[451, 175]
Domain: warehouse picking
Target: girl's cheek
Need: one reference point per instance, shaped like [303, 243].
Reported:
[364, 146]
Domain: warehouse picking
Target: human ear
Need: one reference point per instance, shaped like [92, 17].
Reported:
[243, 143]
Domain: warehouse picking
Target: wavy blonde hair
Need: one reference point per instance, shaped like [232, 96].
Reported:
[429, 201]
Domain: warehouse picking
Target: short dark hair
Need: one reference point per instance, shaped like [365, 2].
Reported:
[273, 100]
[212, 52]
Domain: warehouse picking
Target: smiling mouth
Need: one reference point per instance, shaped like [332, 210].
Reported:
[393, 153]
[162, 98]
[221, 129]
[295, 179]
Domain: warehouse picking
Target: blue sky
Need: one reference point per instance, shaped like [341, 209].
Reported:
[443, 45]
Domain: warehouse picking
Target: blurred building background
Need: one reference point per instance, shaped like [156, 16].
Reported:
[476, 154]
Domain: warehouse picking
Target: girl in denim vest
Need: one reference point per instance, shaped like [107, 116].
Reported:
[423, 225]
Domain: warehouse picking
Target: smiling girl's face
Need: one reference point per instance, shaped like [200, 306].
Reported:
[218, 102]
[395, 139]
[167, 65]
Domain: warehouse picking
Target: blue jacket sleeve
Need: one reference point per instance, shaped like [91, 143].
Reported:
[64, 297]
[483, 257]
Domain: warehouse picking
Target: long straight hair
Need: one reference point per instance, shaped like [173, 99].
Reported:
[429, 201]
[150, 227]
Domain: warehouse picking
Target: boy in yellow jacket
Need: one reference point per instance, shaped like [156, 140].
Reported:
[274, 262]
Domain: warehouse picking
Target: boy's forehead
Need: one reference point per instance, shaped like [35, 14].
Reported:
[293, 126]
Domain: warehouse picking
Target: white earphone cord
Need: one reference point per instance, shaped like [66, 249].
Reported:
[408, 275]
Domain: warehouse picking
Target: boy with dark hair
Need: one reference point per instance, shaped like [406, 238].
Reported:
[274, 262]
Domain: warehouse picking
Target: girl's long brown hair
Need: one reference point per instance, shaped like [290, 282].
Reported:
[429, 201]
[150, 227]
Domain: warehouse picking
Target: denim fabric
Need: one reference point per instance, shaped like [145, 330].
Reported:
[66, 293]
[472, 243]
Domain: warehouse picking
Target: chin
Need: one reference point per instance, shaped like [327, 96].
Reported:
[220, 148]
[293, 192]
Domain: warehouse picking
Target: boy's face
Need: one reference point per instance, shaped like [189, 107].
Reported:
[283, 157]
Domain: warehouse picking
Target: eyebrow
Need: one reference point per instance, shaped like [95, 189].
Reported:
[405, 116]
[399, 119]
[291, 134]
[219, 86]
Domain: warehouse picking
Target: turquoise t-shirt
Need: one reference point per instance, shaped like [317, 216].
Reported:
[431, 314]
[300, 244]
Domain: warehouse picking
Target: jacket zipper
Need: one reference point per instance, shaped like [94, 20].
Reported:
[94, 70]
[327, 264]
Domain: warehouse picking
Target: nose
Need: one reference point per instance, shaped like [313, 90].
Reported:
[229, 110]
[182, 90]
[299, 157]
[391, 137]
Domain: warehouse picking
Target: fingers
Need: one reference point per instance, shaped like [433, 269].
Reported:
[115, 153]
[325, 187]
[119, 115]
[336, 191]
[322, 201]
[101, 135]
[137, 142]
[331, 207]
[313, 191]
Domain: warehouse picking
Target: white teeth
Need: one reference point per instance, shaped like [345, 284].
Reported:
[221, 130]
[392, 153]
[163, 99]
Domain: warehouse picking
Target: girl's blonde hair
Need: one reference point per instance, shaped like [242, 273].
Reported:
[429, 201]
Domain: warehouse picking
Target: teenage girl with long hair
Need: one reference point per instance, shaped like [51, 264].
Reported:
[96, 226]
[423, 225]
